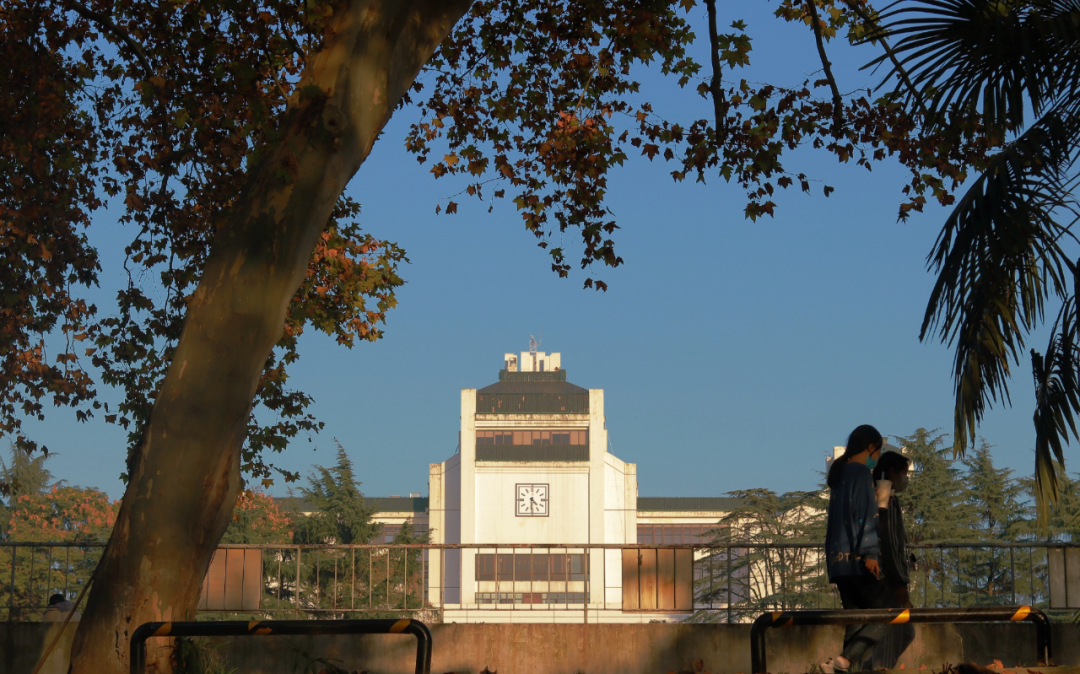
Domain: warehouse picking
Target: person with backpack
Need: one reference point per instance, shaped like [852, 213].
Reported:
[852, 546]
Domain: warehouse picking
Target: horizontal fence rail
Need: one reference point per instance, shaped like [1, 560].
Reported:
[731, 582]
[780, 619]
[230, 628]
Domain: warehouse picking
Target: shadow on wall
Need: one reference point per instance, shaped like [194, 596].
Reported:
[576, 648]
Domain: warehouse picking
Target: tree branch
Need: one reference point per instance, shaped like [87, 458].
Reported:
[838, 101]
[117, 32]
[880, 35]
[714, 84]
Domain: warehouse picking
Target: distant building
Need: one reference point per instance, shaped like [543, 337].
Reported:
[533, 467]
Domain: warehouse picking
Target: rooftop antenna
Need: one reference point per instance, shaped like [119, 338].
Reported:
[533, 344]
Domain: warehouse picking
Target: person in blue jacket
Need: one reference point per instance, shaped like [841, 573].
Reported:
[851, 544]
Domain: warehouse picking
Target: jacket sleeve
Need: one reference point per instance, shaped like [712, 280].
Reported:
[864, 507]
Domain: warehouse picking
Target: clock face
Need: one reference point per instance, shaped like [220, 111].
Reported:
[532, 500]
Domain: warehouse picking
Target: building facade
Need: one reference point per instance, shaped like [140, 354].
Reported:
[533, 469]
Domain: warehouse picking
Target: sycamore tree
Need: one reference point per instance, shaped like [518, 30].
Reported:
[229, 130]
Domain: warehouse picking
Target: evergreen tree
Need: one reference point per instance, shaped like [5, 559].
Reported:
[339, 513]
[994, 495]
[988, 574]
[1063, 523]
[340, 516]
[935, 503]
[935, 511]
[401, 581]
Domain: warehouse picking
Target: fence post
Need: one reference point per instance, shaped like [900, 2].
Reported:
[729, 582]
[11, 589]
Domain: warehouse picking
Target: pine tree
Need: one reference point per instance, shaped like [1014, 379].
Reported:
[988, 574]
[1063, 524]
[935, 511]
[935, 506]
[339, 513]
[338, 516]
[1064, 521]
[995, 495]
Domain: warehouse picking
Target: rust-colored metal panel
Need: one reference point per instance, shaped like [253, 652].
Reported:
[1064, 567]
[647, 580]
[214, 584]
[684, 580]
[631, 585]
[666, 579]
[233, 582]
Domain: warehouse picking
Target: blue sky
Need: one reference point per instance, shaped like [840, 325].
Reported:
[733, 354]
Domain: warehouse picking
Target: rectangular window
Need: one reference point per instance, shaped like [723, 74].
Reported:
[531, 567]
[678, 534]
[521, 438]
[530, 597]
[494, 437]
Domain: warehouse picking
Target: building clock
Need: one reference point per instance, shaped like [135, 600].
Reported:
[532, 500]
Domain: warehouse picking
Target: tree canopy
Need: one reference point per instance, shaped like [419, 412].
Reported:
[126, 108]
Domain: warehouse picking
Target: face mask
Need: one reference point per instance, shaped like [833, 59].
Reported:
[871, 462]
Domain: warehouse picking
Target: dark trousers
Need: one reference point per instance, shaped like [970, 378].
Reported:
[863, 592]
[889, 649]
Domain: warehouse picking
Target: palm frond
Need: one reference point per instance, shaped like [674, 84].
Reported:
[986, 56]
[1057, 400]
[998, 259]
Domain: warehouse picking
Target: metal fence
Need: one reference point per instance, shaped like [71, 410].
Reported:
[729, 582]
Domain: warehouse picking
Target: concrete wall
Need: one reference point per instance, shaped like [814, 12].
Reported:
[590, 649]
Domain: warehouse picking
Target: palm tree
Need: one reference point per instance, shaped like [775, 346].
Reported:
[1012, 67]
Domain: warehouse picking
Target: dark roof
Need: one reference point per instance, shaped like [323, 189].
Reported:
[519, 386]
[398, 504]
[687, 503]
[382, 504]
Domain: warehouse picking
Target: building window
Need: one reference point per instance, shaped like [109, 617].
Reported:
[554, 437]
[530, 597]
[391, 531]
[678, 534]
[531, 567]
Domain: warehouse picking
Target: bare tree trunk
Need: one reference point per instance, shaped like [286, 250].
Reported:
[186, 475]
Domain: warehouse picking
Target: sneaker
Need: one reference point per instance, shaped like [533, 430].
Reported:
[833, 666]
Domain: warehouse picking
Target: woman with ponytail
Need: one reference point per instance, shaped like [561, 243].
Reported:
[851, 543]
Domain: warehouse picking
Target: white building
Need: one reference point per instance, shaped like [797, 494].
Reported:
[533, 468]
